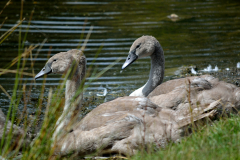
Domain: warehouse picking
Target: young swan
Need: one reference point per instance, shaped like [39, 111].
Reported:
[175, 94]
[121, 126]
[143, 47]
[60, 64]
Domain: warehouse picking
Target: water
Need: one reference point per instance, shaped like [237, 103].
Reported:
[205, 33]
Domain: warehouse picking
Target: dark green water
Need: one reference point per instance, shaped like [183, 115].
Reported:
[206, 33]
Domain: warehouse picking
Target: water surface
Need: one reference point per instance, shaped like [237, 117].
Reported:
[205, 33]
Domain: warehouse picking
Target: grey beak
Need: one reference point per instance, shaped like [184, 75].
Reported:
[46, 70]
[130, 59]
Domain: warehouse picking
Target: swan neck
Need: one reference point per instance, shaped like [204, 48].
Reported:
[73, 98]
[157, 71]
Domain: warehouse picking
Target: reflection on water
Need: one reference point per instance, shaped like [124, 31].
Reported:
[205, 33]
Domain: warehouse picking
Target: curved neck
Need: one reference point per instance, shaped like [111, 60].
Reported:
[73, 98]
[156, 73]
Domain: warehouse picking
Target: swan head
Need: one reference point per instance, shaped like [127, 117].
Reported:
[141, 47]
[61, 62]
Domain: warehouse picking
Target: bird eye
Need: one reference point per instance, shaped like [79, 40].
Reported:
[138, 46]
[54, 60]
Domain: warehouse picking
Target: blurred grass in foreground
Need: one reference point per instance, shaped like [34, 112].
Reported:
[39, 145]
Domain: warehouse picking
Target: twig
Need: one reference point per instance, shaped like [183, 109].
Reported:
[3, 22]
[6, 34]
[5, 6]
[4, 71]
[4, 91]
[87, 38]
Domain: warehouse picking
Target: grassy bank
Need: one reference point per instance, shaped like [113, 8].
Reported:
[220, 140]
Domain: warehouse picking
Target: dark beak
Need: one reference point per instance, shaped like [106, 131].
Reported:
[46, 70]
[130, 59]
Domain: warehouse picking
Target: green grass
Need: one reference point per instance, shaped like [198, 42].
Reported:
[220, 140]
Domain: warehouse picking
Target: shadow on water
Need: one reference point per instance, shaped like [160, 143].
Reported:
[203, 33]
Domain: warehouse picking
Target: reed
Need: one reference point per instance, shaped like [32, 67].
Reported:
[41, 143]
